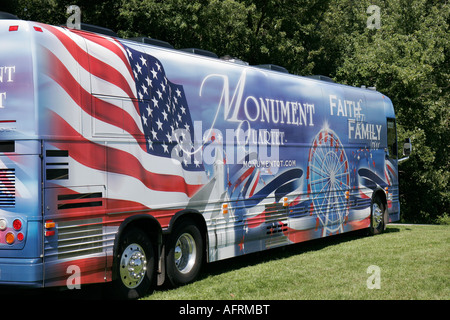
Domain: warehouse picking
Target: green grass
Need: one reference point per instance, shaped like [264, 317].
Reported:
[413, 260]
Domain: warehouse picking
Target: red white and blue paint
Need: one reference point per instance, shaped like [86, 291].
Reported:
[95, 130]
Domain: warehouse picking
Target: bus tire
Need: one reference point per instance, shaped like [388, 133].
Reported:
[134, 265]
[185, 254]
[377, 216]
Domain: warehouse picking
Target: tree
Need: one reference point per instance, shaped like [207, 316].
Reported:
[408, 60]
[215, 25]
[259, 32]
[103, 13]
[406, 57]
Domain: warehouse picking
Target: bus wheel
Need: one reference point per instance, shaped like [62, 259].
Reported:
[135, 265]
[185, 254]
[377, 216]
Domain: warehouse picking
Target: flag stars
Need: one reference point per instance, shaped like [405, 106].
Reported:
[149, 110]
[165, 147]
[159, 124]
[154, 134]
[139, 68]
[155, 102]
[149, 82]
[143, 61]
[144, 88]
[169, 137]
[150, 143]
[154, 74]
[130, 54]
[163, 110]
[144, 119]
[164, 113]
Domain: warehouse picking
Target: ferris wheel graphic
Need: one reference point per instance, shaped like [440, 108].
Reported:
[328, 179]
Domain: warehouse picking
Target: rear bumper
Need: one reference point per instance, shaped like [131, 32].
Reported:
[22, 272]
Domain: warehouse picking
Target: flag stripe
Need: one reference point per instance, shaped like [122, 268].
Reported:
[112, 45]
[93, 155]
[156, 164]
[94, 65]
[104, 111]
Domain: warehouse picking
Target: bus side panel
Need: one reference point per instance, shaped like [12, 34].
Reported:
[292, 159]
[74, 194]
[268, 159]
[20, 162]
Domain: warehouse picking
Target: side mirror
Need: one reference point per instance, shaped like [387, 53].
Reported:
[407, 148]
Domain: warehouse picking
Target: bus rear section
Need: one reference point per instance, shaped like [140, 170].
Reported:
[20, 160]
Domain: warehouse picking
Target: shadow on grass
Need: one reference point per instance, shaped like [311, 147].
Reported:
[256, 258]
[252, 259]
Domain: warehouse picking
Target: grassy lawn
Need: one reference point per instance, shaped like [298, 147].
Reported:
[414, 263]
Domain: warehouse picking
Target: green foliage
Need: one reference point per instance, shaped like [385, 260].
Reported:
[407, 59]
[212, 25]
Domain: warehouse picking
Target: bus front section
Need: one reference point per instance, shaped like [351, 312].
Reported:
[20, 160]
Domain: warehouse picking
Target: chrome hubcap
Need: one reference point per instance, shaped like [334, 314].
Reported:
[377, 216]
[133, 265]
[185, 253]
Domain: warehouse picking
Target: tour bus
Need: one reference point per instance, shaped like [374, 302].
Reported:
[131, 162]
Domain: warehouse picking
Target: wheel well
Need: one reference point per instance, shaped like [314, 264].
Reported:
[185, 215]
[191, 215]
[382, 196]
[150, 227]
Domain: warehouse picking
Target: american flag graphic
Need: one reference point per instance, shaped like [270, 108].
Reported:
[123, 90]
[244, 179]
[389, 173]
[164, 111]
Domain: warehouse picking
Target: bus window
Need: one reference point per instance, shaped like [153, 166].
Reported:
[392, 138]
